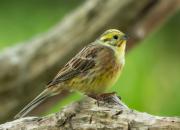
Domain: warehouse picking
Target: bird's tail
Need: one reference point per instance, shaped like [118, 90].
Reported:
[34, 103]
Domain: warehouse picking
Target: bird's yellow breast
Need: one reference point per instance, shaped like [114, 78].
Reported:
[108, 75]
[103, 75]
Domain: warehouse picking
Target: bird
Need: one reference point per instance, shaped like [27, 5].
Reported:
[91, 72]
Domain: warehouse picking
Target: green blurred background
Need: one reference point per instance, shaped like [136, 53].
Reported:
[151, 79]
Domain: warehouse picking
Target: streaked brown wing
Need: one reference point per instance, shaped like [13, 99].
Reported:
[81, 63]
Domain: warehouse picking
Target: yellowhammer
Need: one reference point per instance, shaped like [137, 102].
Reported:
[95, 68]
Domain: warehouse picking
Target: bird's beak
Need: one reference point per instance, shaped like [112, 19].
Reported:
[125, 37]
[123, 40]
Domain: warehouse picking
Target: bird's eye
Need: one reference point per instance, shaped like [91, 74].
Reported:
[115, 37]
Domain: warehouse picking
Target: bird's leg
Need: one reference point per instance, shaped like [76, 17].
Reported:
[94, 96]
[103, 96]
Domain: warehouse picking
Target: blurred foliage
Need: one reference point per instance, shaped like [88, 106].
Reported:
[22, 19]
[150, 80]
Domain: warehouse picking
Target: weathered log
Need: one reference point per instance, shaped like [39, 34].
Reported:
[88, 115]
[26, 68]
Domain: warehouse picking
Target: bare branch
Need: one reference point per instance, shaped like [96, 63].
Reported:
[87, 115]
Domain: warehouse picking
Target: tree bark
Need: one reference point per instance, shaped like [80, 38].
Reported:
[27, 67]
[111, 114]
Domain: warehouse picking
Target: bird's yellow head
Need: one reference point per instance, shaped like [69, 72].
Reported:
[114, 38]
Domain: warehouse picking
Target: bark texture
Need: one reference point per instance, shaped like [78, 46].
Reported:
[88, 115]
[27, 67]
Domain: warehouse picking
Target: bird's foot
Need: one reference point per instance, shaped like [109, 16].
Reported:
[102, 96]
[105, 97]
